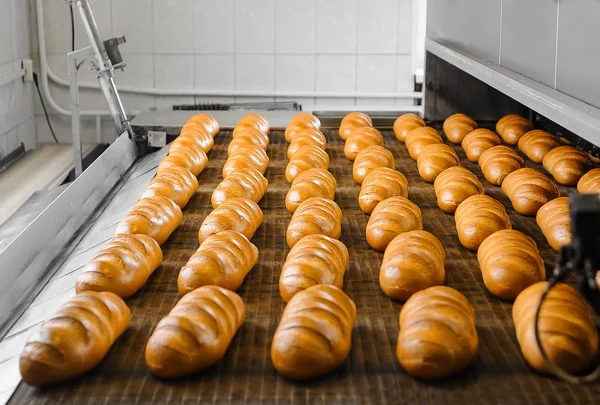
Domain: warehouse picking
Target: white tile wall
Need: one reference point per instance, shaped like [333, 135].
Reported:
[254, 22]
[295, 26]
[337, 26]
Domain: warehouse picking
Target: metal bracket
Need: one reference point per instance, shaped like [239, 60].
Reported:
[157, 139]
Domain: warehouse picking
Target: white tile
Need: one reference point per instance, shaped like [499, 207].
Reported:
[174, 26]
[383, 102]
[255, 26]
[167, 102]
[376, 73]
[336, 73]
[26, 134]
[174, 71]
[3, 145]
[7, 68]
[6, 44]
[377, 26]
[405, 79]
[336, 26]
[20, 28]
[138, 102]
[295, 26]
[295, 72]
[213, 26]
[214, 72]
[134, 20]
[12, 140]
[327, 101]
[254, 72]
[254, 99]
[304, 101]
[405, 26]
[138, 73]
[62, 128]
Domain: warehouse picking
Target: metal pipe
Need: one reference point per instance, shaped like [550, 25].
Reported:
[75, 119]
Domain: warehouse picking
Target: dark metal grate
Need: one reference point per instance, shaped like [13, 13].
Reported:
[264, 106]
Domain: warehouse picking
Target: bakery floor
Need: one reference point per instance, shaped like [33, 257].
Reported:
[371, 374]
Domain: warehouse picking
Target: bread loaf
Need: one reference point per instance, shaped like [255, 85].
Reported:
[315, 215]
[176, 183]
[248, 183]
[554, 221]
[308, 157]
[75, 339]
[380, 184]
[208, 122]
[537, 143]
[390, 218]
[457, 126]
[315, 259]
[369, 159]
[315, 333]
[122, 266]
[235, 214]
[511, 127]
[353, 120]
[589, 183]
[413, 261]
[567, 164]
[300, 122]
[434, 159]
[478, 217]
[193, 136]
[310, 183]
[360, 139]
[566, 327]
[437, 336]
[406, 123]
[510, 262]
[498, 162]
[453, 186]
[248, 156]
[250, 136]
[223, 259]
[196, 333]
[306, 137]
[528, 190]
[419, 138]
[256, 121]
[156, 217]
[477, 142]
[192, 158]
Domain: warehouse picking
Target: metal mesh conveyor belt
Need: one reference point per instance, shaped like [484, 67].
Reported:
[371, 374]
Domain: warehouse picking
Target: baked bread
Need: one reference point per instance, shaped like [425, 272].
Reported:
[235, 214]
[510, 262]
[390, 218]
[589, 183]
[176, 183]
[536, 144]
[419, 138]
[208, 122]
[352, 121]
[122, 266]
[249, 136]
[380, 184]
[223, 259]
[300, 122]
[248, 183]
[437, 336]
[196, 333]
[453, 186]
[511, 127]
[478, 217]
[457, 126]
[413, 261]
[498, 162]
[315, 333]
[555, 223]
[528, 190]
[566, 327]
[315, 259]
[256, 121]
[156, 217]
[306, 137]
[310, 183]
[193, 136]
[75, 339]
[434, 159]
[369, 159]
[360, 139]
[406, 123]
[477, 142]
[192, 158]
[315, 215]
[308, 157]
[567, 164]
[248, 156]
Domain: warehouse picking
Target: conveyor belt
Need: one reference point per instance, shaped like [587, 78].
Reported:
[372, 374]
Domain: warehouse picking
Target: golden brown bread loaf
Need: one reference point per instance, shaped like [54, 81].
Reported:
[528, 190]
[589, 183]
[308, 157]
[536, 144]
[156, 217]
[248, 183]
[390, 218]
[511, 127]
[406, 123]
[360, 139]
[381, 184]
[122, 266]
[352, 121]
[235, 214]
[567, 164]
[555, 223]
[193, 136]
[315, 215]
[594, 159]
[249, 136]
[256, 121]
[306, 137]
[248, 156]
[300, 122]
[453, 186]
[75, 339]
[370, 159]
[413, 261]
[457, 126]
[498, 162]
[208, 122]
[196, 333]
[315, 333]
[419, 138]
[478, 217]
[223, 259]
[315, 259]
[176, 183]
[192, 158]
[567, 331]
[510, 262]
[310, 183]
[434, 159]
[437, 336]
[477, 142]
